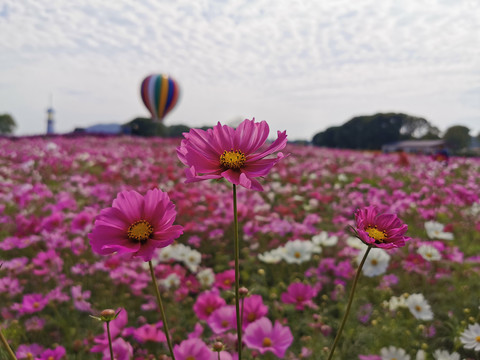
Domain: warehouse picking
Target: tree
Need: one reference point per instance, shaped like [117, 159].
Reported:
[176, 131]
[7, 124]
[373, 131]
[457, 137]
[146, 127]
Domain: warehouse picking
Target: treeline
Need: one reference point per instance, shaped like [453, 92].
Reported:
[147, 127]
[372, 131]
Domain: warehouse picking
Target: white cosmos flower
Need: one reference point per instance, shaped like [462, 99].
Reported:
[376, 263]
[323, 239]
[421, 355]
[171, 281]
[429, 252]
[165, 253]
[419, 307]
[298, 251]
[273, 256]
[355, 243]
[206, 277]
[475, 209]
[445, 355]
[470, 337]
[435, 231]
[180, 252]
[395, 302]
[393, 353]
[192, 260]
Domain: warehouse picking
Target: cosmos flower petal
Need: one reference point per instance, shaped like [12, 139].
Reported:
[277, 145]
[254, 135]
[112, 217]
[262, 167]
[130, 203]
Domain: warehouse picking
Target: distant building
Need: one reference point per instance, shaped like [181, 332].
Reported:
[50, 122]
[106, 129]
[415, 146]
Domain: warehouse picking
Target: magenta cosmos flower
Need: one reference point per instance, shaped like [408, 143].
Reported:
[300, 295]
[262, 336]
[380, 230]
[237, 155]
[192, 349]
[135, 224]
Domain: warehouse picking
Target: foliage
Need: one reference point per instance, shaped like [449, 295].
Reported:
[7, 124]
[147, 127]
[457, 137]
[371, 132]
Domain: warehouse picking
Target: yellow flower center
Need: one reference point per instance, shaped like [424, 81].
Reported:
[418, 308]
[233, 159]
[140, 231]
[50, 358]
[297, 255]
[190, 357]
[374, 262]
[376, 234]
[224, 323]
[251, 317]
[477, 339]
[267, 342]
[36, 305]
[29, 356]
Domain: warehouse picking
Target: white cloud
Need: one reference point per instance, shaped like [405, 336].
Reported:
[300, 65]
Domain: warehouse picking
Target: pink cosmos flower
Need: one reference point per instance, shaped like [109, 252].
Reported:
[192, 349]
[223, 319]
[80, 298]
[56, 354]
[28, 351]
[262, 336]
[122, 350]
[253, 309]
[150, 332]
[225, 280]
[135, 224]
[207, 303]
[32, 303]
[234, 154]
[380, 230]
[34, 324]
[300, 295]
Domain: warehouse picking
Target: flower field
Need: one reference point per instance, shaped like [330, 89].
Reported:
[298, 256]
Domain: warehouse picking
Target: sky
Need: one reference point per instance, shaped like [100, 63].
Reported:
[302, 66]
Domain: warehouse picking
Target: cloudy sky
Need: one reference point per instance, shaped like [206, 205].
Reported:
[302, 65]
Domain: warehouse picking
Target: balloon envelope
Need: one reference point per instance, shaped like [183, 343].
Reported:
[159, 94]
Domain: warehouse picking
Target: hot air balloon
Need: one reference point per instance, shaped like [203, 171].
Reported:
[159, 94]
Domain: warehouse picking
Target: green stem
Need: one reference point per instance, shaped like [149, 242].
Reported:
[350, 300]
[237, 272]
[109, 340]
[9, 349]
[162, 312]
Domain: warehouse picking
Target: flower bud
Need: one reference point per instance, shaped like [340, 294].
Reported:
[218, 346]
[243, 292]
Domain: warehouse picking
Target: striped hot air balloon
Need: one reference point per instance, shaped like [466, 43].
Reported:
[159, 94]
